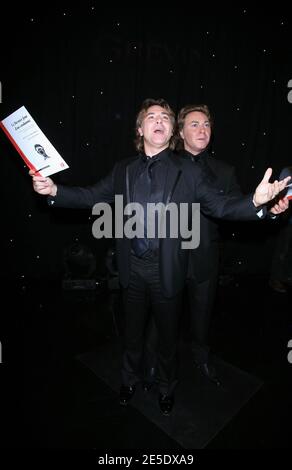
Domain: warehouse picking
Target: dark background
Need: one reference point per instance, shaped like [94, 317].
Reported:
[82, 72]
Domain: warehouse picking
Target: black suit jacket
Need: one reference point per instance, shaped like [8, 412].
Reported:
[184, 183]
[203, 260]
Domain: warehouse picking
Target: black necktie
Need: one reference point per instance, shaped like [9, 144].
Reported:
[140, 246]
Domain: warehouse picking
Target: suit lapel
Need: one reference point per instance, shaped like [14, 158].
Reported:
[173, 175]
[131, 173]
[172, 178]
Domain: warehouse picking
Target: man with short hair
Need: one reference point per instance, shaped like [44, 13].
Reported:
[195, 126]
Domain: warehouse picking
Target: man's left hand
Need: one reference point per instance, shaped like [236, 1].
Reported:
[266, 191]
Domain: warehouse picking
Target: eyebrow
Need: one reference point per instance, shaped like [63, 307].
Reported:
[197, 122]
[164, 113]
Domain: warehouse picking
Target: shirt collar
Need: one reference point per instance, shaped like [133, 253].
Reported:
[198, 157]
[161, 156]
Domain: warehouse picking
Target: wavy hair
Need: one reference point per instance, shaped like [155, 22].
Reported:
[139, 140]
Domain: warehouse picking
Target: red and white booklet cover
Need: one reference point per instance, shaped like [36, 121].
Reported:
[32, 144]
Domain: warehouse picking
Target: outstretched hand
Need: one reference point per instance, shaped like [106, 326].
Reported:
[43, 185]
[266, 191]
[279, 206]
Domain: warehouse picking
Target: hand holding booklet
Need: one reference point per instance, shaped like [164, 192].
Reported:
[32, 144]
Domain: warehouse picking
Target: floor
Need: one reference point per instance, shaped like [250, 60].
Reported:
[50, 400]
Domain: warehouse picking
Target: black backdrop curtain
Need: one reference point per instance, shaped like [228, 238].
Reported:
[82, 73]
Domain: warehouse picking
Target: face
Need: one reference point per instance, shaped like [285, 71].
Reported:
[157, 129]
[40, 149]
[196, 132]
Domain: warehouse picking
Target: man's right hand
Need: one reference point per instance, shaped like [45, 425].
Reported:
[43, 185]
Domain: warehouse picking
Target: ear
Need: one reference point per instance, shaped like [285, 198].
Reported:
[181, 133]
[140, 131]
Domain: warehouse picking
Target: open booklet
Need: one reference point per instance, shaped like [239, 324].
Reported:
[32, 144]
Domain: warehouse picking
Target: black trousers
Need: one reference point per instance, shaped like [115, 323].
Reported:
[201, 300]
[142, 298]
